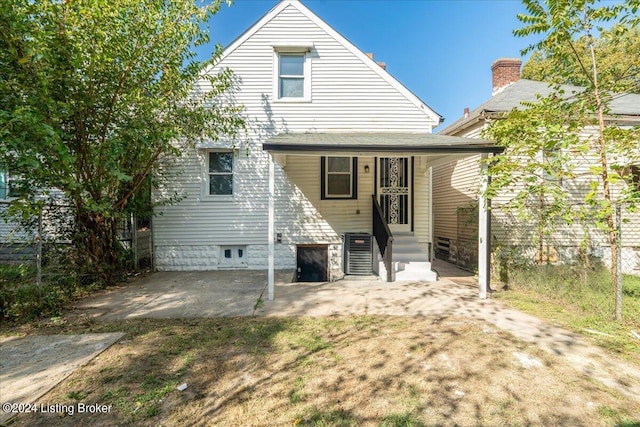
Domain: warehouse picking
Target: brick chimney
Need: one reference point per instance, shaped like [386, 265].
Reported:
[382, 65]
[505, 71]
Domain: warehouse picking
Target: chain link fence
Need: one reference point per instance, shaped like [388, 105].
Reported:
[34, 253]
[628, 225]
[37, 245]
[519, 240]
[571, 263]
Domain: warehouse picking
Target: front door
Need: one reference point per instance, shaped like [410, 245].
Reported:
[394, 192]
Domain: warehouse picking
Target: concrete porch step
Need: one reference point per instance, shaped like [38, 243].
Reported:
[410, 260]
[419, 270]
[415, 270]
[361, 278]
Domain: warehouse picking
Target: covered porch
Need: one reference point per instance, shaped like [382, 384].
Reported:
[370, 190]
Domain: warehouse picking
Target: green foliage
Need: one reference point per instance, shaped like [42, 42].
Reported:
[23, 300]
[94, 95]
[30, 301]
[544, 141]
[619, 59]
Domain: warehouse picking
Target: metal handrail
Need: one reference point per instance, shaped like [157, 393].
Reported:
[383, 236]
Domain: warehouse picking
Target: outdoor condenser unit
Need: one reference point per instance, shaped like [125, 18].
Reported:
[358, 253]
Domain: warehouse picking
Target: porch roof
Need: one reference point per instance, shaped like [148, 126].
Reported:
[363, 142]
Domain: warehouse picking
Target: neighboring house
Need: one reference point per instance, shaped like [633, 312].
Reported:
[15, 241]
[455, 189]
[338, 155]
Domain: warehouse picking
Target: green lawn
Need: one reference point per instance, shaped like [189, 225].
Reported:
[579, 299]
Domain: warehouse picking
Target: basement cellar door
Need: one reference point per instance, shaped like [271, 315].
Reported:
[312, 263]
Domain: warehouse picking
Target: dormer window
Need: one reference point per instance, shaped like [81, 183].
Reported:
[292, 72]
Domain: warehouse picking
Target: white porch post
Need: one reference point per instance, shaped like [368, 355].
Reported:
[270, 274]
[484, 234]
[432, 251]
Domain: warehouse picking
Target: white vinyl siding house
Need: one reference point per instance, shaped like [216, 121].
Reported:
[456, 186]
[297, 77]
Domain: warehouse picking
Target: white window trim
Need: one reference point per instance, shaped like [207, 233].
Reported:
[7, 185]
[327, 194]
[306, 74]
[205, 176]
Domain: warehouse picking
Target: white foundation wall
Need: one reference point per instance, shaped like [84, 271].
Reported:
[203, 257]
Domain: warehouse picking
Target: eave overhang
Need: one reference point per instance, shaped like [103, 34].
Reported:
[383, 142]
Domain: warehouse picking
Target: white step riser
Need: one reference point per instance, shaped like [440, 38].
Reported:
[410, 260]
[409, 257]
[420, 271]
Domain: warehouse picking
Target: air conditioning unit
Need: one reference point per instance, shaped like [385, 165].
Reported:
[358, 254]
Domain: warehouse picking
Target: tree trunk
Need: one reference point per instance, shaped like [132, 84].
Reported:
[606, 188]
[97, 243]
[608, 197]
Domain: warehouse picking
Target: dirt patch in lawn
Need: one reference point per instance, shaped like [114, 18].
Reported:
[342, 371]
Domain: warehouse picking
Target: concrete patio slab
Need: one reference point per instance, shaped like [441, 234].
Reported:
[235, 293]
[183, 295]
[31, 366]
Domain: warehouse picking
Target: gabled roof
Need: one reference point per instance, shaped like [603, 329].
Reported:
[342, 40]
[528, 91]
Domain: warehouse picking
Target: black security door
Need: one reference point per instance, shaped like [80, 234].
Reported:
[312, 263]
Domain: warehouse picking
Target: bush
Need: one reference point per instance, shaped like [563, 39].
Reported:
[23, 300]
[30, 301]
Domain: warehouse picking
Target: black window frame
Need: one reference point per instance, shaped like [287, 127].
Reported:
[324, 185]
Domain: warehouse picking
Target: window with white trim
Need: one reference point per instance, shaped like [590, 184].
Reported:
[291, 75]
[220, 173]
[339, 177]
[7, 185]
[4, 184]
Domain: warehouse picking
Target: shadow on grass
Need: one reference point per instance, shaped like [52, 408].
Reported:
[342, 371]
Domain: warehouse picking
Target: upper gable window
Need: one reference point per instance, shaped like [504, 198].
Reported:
[291, 75]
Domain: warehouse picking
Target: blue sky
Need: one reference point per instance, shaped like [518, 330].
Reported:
[441, 50]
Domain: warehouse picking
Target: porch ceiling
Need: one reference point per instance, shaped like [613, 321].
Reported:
[416, 143]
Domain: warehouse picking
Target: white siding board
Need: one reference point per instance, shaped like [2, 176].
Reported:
[347, 95]
[455, 185]
[421, 211]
